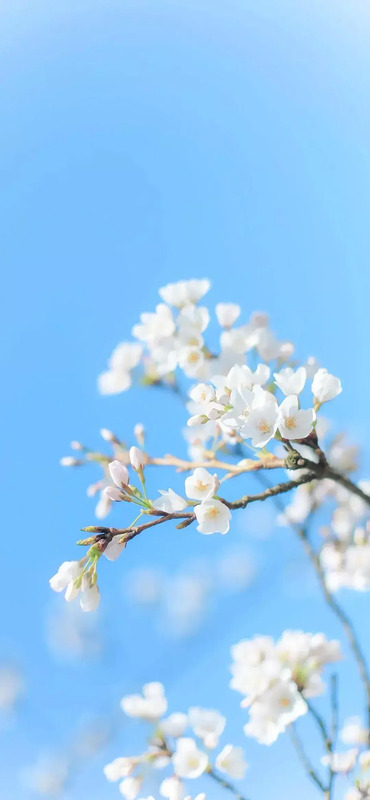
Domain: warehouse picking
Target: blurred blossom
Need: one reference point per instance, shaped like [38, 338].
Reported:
[236, 571]
[71, 634]
[11, 687]
[47, 777]
[91, 737]
[144, 586]
[182, 602]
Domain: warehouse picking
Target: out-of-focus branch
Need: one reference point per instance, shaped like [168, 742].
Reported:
[224, 783]
[301, 753]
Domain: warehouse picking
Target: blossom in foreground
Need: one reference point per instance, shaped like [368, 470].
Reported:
[169, 501]
[261, 424]
[295, 422]
[213, 516]
[325, 386]
[151, 705]
[291, 381]
[188, 761]
[201, 485]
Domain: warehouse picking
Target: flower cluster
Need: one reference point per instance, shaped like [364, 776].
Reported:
[184, 757]
[78, 578]
[234, 398]
[277, 677]
[242, 407]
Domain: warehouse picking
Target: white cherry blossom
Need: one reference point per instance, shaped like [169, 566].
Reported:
[227, 314]
[295, 423]
[325, 386]
[202, 393]
[169, 501]
[172, 788]
[67, 573]
[201, 485]
[123, 360]
[213, 516]
[261, 424]
[208, 724]
[151, 705]
[130, 787]
[188, 761]
[231, 761]
[174, 725]
[291, 381]
[155, 326]
[114, 549]
[121, 767]
[341, 762]
[193, 318]
[184, 293]
[353, 732]
[191, 360]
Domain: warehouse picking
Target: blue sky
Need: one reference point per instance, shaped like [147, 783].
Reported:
[145, 141]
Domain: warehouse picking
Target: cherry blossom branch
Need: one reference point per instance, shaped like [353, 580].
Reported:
[334, 726]
[327, 740]
[271, 491]
[323, 470]
[268, 461]
[106, 534]
[320, 724]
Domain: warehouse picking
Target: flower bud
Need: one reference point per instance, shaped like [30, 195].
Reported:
[107, 435]
[69, 461]
[118, 473]
[139, 432]
[113, 493]
[137, 459]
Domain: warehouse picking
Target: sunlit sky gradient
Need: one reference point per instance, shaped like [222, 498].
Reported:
[145, 141]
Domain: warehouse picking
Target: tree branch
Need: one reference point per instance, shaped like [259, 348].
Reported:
[222, 782]
[305, 760]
